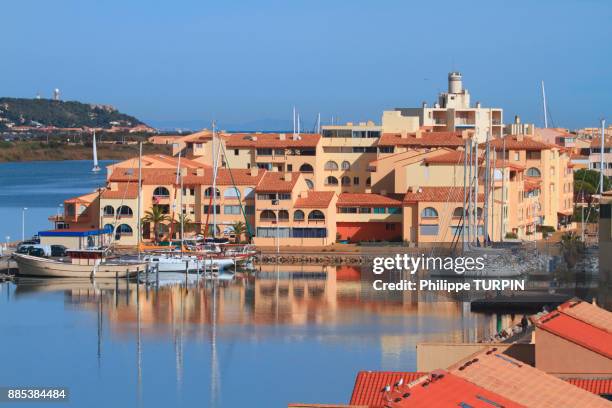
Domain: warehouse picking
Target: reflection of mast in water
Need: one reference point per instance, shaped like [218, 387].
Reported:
[138, 346]
[178, 344]
[215, 379]
[100, 316]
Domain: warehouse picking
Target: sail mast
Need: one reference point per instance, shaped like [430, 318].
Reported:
[96, 166]
[138, 209]
[214, 180]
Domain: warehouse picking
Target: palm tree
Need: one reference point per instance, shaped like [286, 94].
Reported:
[186, 221]
[155, 216]
[571, 246]
[238, 228]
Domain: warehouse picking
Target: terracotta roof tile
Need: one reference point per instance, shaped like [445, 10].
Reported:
[513, 143]
[437, 194]
[167, 176]
[368, 199]
[369, 386]
[274, 181]
[125, 190]
[443, 389]
[519, 382]
[427, 139]
[270, 140]
[588, 313]
[315, 199]
[600, 386]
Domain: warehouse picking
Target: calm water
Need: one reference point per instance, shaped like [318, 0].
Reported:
[291, 334]
[41, 187]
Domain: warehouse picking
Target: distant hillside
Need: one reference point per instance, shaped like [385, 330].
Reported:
[70, 114]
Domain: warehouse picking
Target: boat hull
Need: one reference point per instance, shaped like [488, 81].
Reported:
[42, 267]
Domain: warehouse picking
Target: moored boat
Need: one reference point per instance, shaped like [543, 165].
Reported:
[79, 264]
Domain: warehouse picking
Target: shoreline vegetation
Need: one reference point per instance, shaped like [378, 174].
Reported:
[25, 151]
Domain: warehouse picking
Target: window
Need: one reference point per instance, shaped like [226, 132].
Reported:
[264, 152]
[284, 196]
[306, 168]
[365, 210]
[368, 182]
[429, 212]
[346, 165]
[270, 232]
[267, 216]
[394, 210]
[309, 232]
[316, 215]
[379, 210]
[290, 167]
[161, 192]
[124, 211]
[209, 192]
[430, 230]
[309, 183]
[458, 213]
[331, 181]
[236, 152]
[356, 181]
[165, 208]
[283, 216]
[533, 172]
[385, 149]
[331, 165]
[298, 215]
[108, 211]
[231, 209]
[533, 155]
[231, 192]
[347, 210]
[109, 228]
[124, 230]
[517, 156]
[208, 209]
[346, 181]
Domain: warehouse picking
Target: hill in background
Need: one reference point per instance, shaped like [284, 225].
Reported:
[60, 114]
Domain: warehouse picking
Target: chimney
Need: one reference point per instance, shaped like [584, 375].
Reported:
[465, 135]
[404, 135]
[424, 104]
[517, 119]
[519, 138]
[183, 171]
[419, 134]
[288, 176]
[282, 136]
[199, 172]
[254, 171]
[254, 138]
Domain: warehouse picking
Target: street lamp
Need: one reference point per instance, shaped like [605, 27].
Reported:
[23, 211]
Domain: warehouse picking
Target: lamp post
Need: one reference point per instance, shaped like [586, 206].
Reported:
[23, 211]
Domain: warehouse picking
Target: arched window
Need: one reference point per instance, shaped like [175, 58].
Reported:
[479, 212]
[283, 216]
[346, 165]
[209, 192]
[533, 172]
[306, 168]
[267, 216]
[331, 181]
[429, 212]
[108, 210]
[458, 213]
[161, 192]
[249, 193]
[124, 229]
[368, 182]
[231, 192]
[298, 215]
[316, 215]
[331, 165]
[309, 183]
[109, 228]
[346, 181]
[124, 211]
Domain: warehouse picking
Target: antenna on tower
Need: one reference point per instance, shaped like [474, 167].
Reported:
[56, 94]
[318, 126]
[544, 105]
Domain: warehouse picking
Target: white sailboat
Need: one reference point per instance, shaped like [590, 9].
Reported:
[96, 166]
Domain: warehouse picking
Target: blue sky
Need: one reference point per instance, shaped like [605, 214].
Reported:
[246, 63]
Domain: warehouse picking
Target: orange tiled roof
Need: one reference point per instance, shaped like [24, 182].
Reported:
[368, 199]
[500, 163]
[588, 326]
[270, 140]
[531, 183]
[437, 194]
[443, 389]
[274, 181]
[85, 198]
[427, 139]
[513, 143]
[124, 190]
[369, 386]
[596, 142]
[519, 382]
[600, 386]
[315, 199]
[167, 176]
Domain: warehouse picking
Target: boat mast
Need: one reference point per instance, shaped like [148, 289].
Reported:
[138, 209]
[476, 173]
[214, 180]
[502, 225]
[544, 105]
[96, 166]
[601, 157]
[486, 190]
[470, 191]
[182, 214]
[464, 196]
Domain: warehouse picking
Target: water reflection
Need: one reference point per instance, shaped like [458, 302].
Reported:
[336, 307]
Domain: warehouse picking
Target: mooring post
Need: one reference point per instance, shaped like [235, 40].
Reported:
[116, 288]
